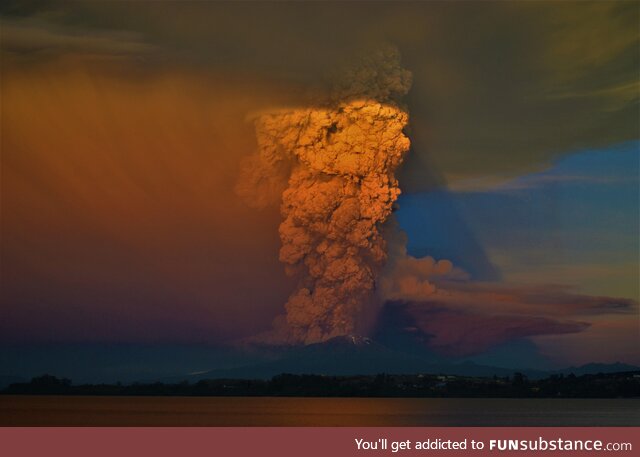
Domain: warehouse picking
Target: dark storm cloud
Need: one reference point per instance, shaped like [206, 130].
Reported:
[499, 87]
[33, 37]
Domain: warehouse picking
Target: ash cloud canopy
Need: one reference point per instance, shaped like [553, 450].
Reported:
[463, 318]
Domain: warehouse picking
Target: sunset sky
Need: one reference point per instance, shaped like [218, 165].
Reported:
[123, 126]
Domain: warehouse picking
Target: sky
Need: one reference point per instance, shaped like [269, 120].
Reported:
[124, 126]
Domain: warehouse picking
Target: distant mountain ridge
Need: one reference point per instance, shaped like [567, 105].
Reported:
[358, 355]
[6, 381]
[594, 368]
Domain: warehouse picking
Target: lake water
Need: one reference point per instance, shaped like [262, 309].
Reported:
[273, 411]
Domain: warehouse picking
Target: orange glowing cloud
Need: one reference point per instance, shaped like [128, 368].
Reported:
[117, 200]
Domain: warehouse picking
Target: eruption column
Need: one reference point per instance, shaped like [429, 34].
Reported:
[332, 168]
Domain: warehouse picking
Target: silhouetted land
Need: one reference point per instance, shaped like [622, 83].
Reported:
[610, 385]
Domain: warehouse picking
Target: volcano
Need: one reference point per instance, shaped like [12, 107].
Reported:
[350, 355]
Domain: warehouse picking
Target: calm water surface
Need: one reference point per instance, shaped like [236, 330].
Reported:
[272, 411]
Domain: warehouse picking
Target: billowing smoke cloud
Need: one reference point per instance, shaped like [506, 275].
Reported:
[405, 277]
[332, 167]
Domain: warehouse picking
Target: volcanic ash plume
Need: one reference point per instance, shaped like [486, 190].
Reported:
[405, 277]
[332, 167]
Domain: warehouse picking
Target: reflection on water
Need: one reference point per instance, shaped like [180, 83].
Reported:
[274, 411]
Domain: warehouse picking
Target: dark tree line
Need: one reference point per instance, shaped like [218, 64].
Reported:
[613, 385]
